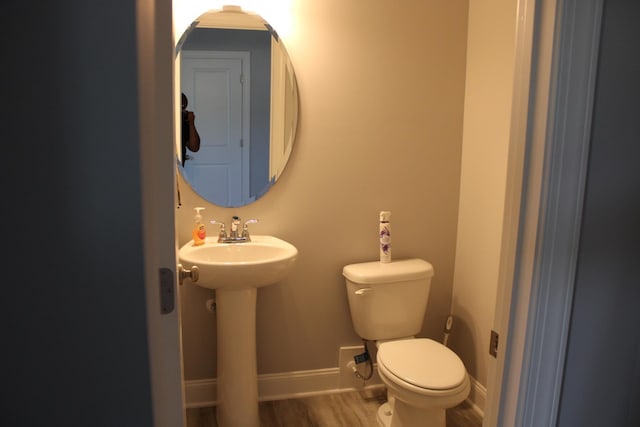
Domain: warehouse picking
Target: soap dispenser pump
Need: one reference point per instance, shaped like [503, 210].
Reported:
[199, 231]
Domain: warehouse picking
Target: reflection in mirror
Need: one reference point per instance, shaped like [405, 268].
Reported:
[189, 138]
[239, 82]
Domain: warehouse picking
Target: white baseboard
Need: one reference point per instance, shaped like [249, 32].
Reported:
[477, 396]
[289, 385]
[200, 393]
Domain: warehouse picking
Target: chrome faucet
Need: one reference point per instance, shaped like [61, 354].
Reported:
[233, 236]
[235, 223]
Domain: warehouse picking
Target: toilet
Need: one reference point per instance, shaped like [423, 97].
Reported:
[423, 377]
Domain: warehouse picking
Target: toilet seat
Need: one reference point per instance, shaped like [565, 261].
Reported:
[423, 363]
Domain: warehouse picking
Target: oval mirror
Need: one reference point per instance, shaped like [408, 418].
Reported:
[236, 85]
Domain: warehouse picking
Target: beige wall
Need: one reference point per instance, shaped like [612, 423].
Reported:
[489, 80]
[381, 125]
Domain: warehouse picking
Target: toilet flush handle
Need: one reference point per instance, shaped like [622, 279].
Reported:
[363, 291]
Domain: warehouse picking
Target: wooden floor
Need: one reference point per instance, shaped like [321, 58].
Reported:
[348, 409]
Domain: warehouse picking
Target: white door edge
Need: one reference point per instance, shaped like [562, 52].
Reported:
[156, 108]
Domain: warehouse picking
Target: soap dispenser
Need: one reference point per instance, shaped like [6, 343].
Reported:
[199, 231]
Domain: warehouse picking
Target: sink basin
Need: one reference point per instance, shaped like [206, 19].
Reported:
[263, 261]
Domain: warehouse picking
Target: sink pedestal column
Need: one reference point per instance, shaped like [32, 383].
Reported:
[237, 365]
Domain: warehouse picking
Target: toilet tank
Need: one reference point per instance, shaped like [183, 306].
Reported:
[388, 299]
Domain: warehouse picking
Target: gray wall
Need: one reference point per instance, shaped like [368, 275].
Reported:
[73, 339]
[602, 375]
[380, 128]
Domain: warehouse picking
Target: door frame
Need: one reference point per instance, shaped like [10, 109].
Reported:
[555, 75]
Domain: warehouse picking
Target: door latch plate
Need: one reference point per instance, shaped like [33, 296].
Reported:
[167, 291]
[493, 344]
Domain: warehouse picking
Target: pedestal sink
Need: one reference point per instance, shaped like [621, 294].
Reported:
[236, 271]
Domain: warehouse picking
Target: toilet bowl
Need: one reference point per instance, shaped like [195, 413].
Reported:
[423, 377]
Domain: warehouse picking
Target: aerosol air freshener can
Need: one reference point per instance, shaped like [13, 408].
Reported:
[385, 236]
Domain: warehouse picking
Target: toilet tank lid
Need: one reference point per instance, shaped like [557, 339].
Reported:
[382, 272]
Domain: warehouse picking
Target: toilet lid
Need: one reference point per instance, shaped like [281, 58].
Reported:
[422, 362]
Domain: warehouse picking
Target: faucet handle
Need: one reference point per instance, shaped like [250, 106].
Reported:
[245, 228]
[222, 233]
[250, 221]
[220, 223]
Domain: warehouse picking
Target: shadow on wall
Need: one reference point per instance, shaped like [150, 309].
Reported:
[461, 341]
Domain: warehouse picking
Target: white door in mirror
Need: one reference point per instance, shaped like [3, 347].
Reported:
[212, 81]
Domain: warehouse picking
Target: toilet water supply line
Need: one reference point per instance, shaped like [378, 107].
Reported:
[362, 358]
[366, 357]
